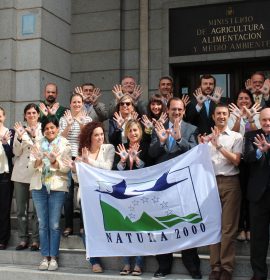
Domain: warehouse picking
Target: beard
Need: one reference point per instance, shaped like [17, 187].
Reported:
[50, 99]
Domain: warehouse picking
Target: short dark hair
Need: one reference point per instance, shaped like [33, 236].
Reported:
[158, 99]
[88, 84]
[206, 77]
[221, 105]
[49, 119]
[29, 106]
[174, 99]
[165, 78]
[247, 92]
[53, 84]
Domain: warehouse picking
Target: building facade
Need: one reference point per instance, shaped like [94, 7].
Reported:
[71, 42]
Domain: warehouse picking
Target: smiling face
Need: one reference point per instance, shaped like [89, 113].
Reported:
[265, 120]
[76, 104]
[128, 85]
[97, 137]
[31, 115]
[126, 106]
[51, 131]
[176, 110]
[156, 108]
[166, 88]
[134, 133]
[221, 116]
[257, 81]
[243, 100]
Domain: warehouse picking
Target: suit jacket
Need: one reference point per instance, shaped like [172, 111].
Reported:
[98, 112]
[259, 178]
[200, 119]
[161, 153]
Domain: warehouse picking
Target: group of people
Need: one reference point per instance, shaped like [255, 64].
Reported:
[39, 155]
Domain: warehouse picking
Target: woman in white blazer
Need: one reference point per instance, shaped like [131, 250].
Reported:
[93, 151]
[25, 137]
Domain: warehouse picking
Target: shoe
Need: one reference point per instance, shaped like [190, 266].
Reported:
[241, 236]
[225, 275]
[125, 271]
[196, 274]
[3, 247]
[53, 265]
[67, 232]
[96, 268]
[44, 264]
[214, 275]
[22, 246]
[136, 271]
[248, 235]
[258, 278]
[160, 274]
[34, 247]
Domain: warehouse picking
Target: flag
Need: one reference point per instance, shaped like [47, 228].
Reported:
[164, 208]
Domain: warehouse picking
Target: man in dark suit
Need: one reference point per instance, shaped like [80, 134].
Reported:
[168, 141]
[257, 154]
[200, 111]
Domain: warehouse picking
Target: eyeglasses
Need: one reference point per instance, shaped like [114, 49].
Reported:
[125, 103]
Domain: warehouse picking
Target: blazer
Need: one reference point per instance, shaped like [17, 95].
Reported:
[21, 149]
[97, 112]
[160, 152]
[259, 177]
[200, 119]
[60, 175]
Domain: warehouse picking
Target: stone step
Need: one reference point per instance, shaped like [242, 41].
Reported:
[75, 258]
[75, 242]
[22, 272]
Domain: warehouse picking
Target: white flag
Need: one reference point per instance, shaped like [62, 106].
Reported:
[164, 208]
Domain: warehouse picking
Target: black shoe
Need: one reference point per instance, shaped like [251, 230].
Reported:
[196, 274]
[34, 247]
[3, 247]
[160, 274]
[22, 246]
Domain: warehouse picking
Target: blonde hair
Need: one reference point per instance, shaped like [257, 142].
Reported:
[128, 126]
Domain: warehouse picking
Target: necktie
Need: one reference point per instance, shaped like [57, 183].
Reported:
[207, 106]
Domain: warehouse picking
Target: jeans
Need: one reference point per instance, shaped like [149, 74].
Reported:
[49, 207]
[138, 261]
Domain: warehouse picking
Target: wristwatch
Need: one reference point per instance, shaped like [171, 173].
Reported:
[219, 147]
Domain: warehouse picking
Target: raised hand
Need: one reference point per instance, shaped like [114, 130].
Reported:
[53, 154]
[162, 133]
[137, 92]
[163, 118]
[43, 109]
[6, 137]
[81, 119]
[199, 96]
[235, 111]
[265, 89]
[36, 153]
[216, 95]
[32, 131]
[117, 92]
[251, 112]
[134, 116]
[19, 130]
[146, 122]
[175, 130]
[204, 139]
[122, 153]
[215, 136]
[68, 162]
[133, 153]
[248, 85]
[79, 90]
[85, 155]
[119, 120]
[186, 100]
[68, 117]
[95, 96]
[261, 143]
[54, 108]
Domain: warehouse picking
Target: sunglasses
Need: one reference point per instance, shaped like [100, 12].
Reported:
[125, 103]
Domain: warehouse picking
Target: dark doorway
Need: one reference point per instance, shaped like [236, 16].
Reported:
[230, 75]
